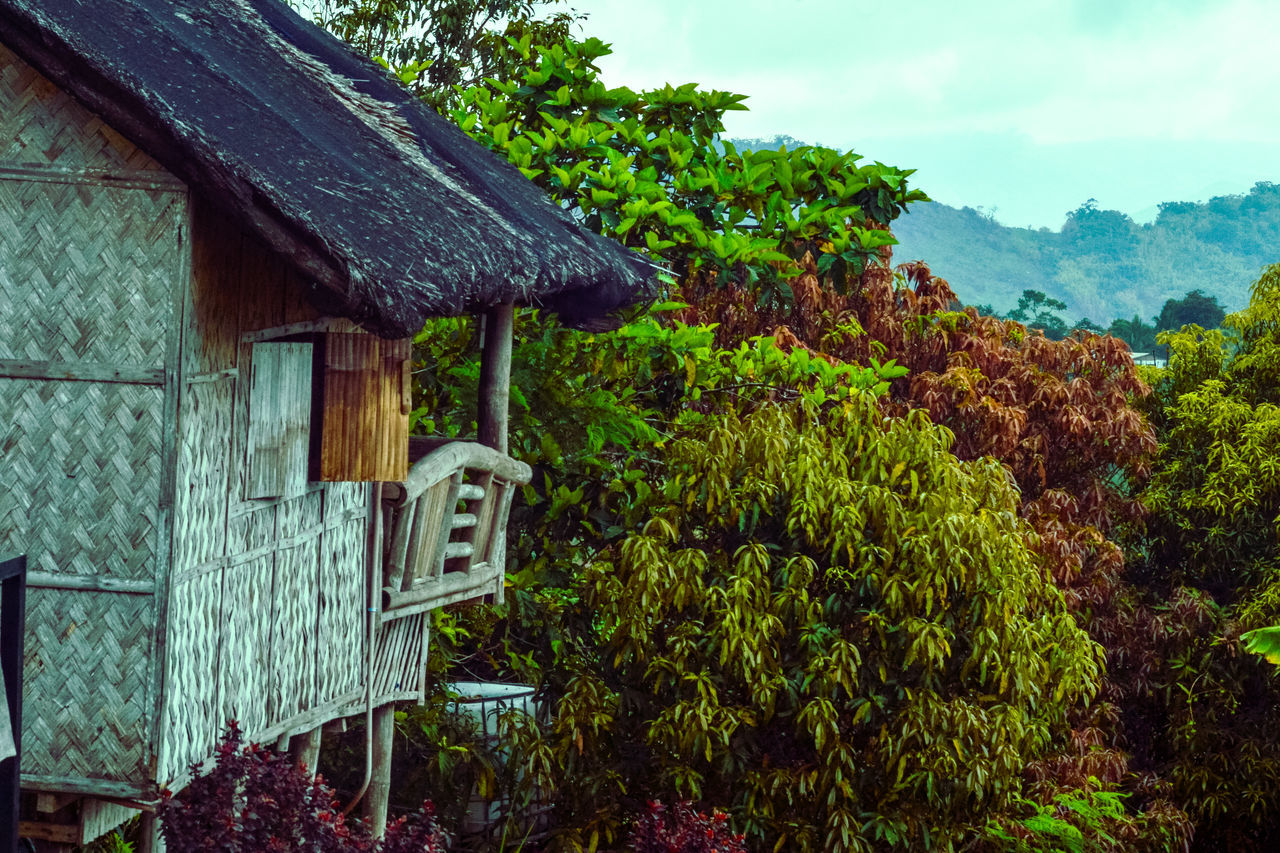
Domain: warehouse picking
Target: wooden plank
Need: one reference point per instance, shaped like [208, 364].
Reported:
[151, 181]
[301, 327]
[141, 791]
[261, 287]
[297, 307]
[59, 833]
[93, 583]
[48, 803]
[448, 589]
[279, 420]
[11, 368]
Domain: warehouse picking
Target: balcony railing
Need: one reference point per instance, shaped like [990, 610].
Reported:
[445, 527]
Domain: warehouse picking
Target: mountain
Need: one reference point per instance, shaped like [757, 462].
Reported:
[1101, 263]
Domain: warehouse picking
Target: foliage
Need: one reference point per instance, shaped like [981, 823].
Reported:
[649, 170]
[1088, 821]
[683, 830]
[256, 799]
[828, 627]
[457, 48]
[1210, 549]
[1263, 641]
[1194, 309]
[1058, 415]
[1041, 312]
[779, 258]
[1139, 335]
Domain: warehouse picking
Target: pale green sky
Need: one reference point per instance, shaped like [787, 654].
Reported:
[1028, 108]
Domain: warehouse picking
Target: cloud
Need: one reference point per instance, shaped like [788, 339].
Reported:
[1059, 72]
[1028, 107]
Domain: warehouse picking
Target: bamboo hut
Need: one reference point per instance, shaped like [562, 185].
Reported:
[218, 230]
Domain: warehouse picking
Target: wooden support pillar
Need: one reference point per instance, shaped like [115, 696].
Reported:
[149, 838]
[375, 799]
[495, 376]
[305, 750]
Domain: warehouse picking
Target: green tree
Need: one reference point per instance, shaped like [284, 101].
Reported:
[435, 45]
[1039, 311]
[1194, 309]
[1140, 336]
[1210, 555]
[829, 627]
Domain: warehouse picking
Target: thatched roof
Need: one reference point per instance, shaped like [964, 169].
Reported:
[393, 211]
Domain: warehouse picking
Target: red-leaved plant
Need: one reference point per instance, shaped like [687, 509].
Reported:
[258, 800]
[682, 829]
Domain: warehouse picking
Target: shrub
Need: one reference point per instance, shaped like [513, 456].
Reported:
[683, 830]
[258, 800]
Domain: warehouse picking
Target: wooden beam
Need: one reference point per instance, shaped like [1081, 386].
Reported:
[11, 368]
[495, 376]
[61, 833]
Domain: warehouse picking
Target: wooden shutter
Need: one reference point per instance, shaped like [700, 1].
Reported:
[365, 422]
[279, 420]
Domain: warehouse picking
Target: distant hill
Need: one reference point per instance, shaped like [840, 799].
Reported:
[1101, 263]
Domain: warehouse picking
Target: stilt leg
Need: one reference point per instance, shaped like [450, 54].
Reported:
[305, 750]
[149, 838]
[375, 800]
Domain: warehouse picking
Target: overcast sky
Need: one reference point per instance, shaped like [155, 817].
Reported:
[1023, 108]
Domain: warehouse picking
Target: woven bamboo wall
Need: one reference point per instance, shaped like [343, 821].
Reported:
[162, 602]
[267, 607]
[90, 249]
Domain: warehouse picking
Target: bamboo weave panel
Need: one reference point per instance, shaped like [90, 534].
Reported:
[39, 123]
[245, 673]
[340, 647]
[81, 473]
[86, 272]
[294, 610]
[200, 506]
[192, 712]
[399, 660]
[86, 685]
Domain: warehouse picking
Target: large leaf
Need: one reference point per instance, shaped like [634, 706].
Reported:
[1265, 642]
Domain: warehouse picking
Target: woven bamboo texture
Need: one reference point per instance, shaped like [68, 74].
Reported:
[192, 719]
[204, 456]
[268, 606]
[87, 677]
[87, 272]
[42, 124]
[340, 648]
[400, 659]
[295, 607]
[81, 476]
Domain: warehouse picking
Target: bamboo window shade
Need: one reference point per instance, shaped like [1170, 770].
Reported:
[365, 410]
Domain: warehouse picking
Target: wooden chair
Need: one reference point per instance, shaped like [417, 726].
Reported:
[445, 527]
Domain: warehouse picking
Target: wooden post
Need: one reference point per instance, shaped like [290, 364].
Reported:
[375, 800]
[149, 838]
[305, 750]
[495, 376]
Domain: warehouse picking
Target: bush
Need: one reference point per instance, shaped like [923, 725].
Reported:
[258, 800]
[683, 830]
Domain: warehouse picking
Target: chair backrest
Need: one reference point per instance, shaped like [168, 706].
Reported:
[445, 527]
